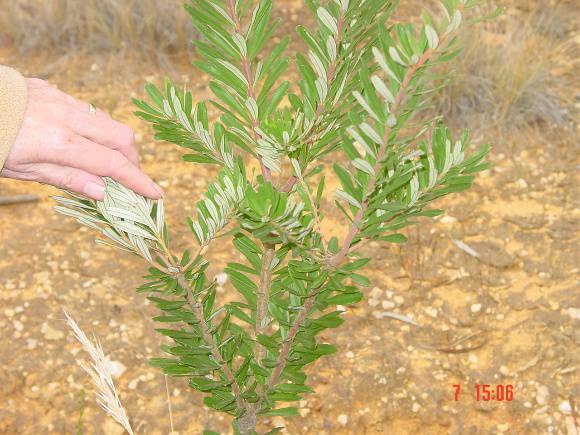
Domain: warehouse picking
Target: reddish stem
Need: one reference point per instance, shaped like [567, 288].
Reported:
[330, 75]
[247, 71]
[355, 226]
[287, 345]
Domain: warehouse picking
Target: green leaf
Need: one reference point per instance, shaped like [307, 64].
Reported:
[267, 341]
[171, 366]
[361, 280]
[294, 388]
[345, 298]
[283, 397]
[331, 320]
[155, 95]
[199, 158]
[204, 384]
[166, 305]
[176, 334]
[221, 403]
[244, 285]
[282, 412]
[394, 238]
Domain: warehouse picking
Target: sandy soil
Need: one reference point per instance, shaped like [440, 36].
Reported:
[508, 316]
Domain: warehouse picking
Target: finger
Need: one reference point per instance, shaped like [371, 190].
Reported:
[100, 128]
[71, 179]
[79, 152]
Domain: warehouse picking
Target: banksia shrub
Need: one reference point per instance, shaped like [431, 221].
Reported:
[360, 99]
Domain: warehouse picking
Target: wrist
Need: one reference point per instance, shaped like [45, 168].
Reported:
[13, 102]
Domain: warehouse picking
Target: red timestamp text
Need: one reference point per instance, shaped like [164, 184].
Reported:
[488, 392]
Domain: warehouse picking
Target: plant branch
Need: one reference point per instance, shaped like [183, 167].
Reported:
[247, 72]
[330, 75]
[315, 213]
[287, 345]
[209, 339]
[200, 251]
[359, 217]
[305, 249]
[204, 247]
[263, 298]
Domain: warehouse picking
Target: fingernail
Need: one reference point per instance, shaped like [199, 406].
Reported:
[94, 190]
[158, 189]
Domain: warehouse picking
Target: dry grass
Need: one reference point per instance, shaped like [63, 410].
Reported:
[509, 75]
[100, 373]
[148, 28]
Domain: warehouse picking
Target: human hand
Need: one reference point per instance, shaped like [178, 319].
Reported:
[62, 144]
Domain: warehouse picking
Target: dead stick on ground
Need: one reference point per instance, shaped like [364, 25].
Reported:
[17, 199]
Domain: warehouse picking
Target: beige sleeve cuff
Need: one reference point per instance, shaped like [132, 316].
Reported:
[13, 99]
